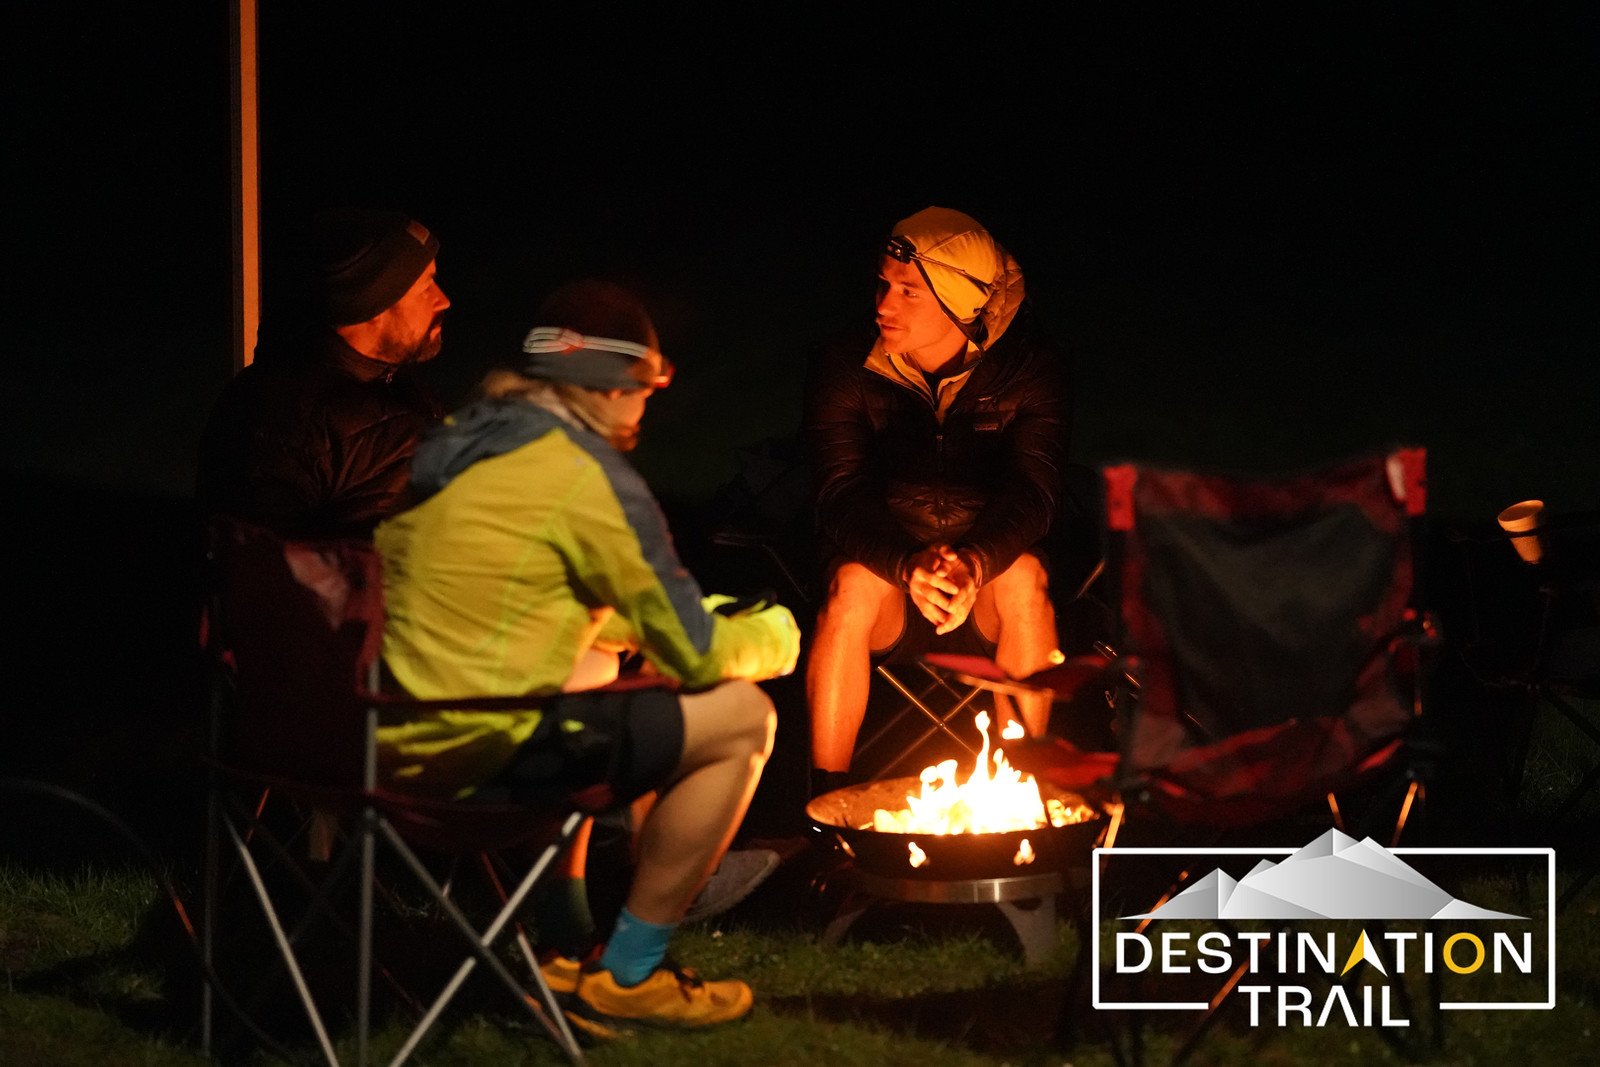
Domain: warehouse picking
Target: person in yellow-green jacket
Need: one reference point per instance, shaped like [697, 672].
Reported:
[535, 559]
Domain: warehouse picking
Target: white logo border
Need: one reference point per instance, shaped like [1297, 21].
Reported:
[1514, 1005]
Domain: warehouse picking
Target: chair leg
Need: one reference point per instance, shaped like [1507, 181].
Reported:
[285, 948]
[549, 1015]
[491, 874]
[368, 846]
[939, 722]
[1213, 1010]
[1414, 792]
[209, 895]
[251, 835]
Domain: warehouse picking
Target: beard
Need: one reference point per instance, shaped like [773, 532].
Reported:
[430, 344]
[401, 348]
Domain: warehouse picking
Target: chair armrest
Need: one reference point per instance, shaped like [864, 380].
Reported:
[1062, 681]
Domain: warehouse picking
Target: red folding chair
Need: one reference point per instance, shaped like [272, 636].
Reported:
[1271, 660]
[295, 631]
[1270, 642]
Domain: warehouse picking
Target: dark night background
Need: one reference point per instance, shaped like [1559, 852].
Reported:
[1268, 235]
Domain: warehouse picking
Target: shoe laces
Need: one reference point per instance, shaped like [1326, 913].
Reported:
[689, 980]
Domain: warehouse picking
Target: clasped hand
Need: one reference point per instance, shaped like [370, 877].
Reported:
[943, 586]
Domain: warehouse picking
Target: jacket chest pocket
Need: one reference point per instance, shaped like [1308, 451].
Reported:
[987, 416]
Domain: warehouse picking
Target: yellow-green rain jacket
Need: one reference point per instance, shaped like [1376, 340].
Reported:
[535, 541]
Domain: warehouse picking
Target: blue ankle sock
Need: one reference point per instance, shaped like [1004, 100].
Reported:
[636, 948]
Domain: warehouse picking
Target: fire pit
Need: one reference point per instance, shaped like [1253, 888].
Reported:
[996, 837]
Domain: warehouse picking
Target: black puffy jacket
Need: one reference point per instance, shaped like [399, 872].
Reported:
[892, 475]
[313, 441]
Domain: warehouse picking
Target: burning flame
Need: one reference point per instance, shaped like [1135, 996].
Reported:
[917, 856]
[1024, 854]
[992, 800]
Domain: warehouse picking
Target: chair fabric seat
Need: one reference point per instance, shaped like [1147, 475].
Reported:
[294, 630]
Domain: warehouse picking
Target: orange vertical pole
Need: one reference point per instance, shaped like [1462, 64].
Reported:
[246, 184]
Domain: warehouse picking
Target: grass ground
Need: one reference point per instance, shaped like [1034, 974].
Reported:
[94, 970]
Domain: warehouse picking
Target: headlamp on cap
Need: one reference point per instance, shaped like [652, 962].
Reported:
[556, 353]
[900, 249]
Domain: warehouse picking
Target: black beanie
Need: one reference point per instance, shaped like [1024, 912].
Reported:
[366, 259]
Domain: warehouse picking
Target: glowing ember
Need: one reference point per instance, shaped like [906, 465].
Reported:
[1024, 854]
[992, 800]
[917, 856]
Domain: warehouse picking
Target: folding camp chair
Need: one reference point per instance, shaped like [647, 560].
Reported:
[295, 630]
[1270, 663]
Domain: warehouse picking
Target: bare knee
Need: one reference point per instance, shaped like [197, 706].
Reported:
[1025, 581]
[855, 590]
[734, 720]
[861, 611]
[750, 715]
[762, 725]
[1017, 602]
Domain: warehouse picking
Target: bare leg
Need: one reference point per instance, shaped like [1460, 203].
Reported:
[576, 857]
[863, 612]
[727, 736]
[1014, 611]
[593, 670]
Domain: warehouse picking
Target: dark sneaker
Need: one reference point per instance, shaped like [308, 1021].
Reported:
[672, 997]
[735, 878]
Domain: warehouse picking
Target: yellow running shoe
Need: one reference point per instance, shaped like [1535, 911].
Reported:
[561, 973]
[672, 996]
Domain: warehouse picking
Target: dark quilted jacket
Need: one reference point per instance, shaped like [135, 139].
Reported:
[314, 444]
[891, 478]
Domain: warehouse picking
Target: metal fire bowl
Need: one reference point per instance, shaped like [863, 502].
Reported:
[961, 868]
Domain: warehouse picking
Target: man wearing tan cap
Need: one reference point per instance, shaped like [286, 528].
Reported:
[938, 449]
[315, 438]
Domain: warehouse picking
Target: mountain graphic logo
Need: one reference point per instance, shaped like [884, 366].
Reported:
[1332, 877]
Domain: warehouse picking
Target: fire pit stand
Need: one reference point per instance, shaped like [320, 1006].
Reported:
[955, 868]
[1027, 901]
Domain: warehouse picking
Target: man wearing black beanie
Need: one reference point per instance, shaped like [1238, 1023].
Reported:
[315, 437]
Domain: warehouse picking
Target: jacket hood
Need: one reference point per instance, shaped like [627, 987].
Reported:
[481, 430]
